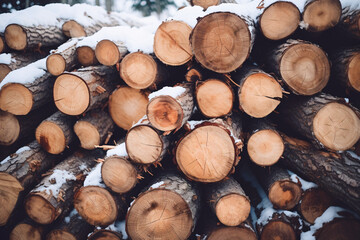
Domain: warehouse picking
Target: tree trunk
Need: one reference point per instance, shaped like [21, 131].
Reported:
[109, 52]
[170, 107]
[55, 133]
[350, 19]
[325, 120]
[213, 52]
[27, 229]
[94, 129]
[93, 87]
[55, 193]
[86, 56]
[302, 66]
[105, 234]
[168, 209]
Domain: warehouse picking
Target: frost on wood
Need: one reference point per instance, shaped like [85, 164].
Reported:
[119, 151]
[56, 180]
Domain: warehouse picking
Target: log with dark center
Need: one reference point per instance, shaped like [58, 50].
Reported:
[109, 53]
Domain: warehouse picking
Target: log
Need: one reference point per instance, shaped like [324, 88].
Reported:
[127, 106]
[55, 133]
[73, 29]
[3, 46]
[320, 15]
[279, 20]
[208, 3]
[265, 145]
[54, 194]
[86, 56]
[222, 41]
[170, 107]
[233, 233]
[141, 71]
[171, 43]
[194, 74]
[94, 129]
[327, 121]
[27, 229]
[259, 93]
[214, 97]
[335, 172]
[19, 37]
[105, 234]
[228, 201]
[350, 19]
[93, 87]
[168, 209]
[109, 52]
[302, 66]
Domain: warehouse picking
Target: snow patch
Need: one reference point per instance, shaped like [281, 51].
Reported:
[94, 177]
[353, 155]
[5, 58]
[305, 185]
[156, 185]
[192, 124]
[59, 177]
[20, 150]
[168, 91]
[119, 150]
[66, 45]
[118, 226]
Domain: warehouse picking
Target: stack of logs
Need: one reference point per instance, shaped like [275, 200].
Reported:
[205, 129]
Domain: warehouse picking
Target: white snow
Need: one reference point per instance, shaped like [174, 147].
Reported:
[119, 150]
[72, 213]
[354, 155]
[351, 4]
[305, 185]
[5, 58]
[192, 124]
[168, 91]
[20, 150]
[59, 177]
[156, 185]
[66, 45]
[118, 226]
[94, 177]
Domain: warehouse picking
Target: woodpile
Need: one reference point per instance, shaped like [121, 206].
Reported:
[229, 121]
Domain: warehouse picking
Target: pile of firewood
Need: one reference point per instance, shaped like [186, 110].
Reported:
[239, 122]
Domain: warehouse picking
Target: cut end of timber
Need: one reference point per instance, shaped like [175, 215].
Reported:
[285, 194]
[164, 113]
[16, 99]
[105, 235]
[39, 209]
[260, 95]
[55, 64]
[279, 20]
[232, 209]
[205, 3]
[96, 205]
[127, 106]
[107, 53]
[4, 71]
[322, 15]
[119, 183]
[265, 147]
[86, 56]
[159, 214]
[354, 71]
[25, 231]
[171, 43]
[221, 42]
[72, 29]
[71, 94]
[215, 98]
[204, 160]
[232, 233]
[146, 138]
[9, 128]
[305, 68]
[276, 230]
[2, 44]
[15, 37]
[337, 127]
[9, 193]
[60, 234]
[340, 229]
[138, 70]
[88, 134]
[51, 137]
[193, 75]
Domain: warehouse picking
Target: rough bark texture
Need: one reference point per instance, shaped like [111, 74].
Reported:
[349, 20]
[105, 234]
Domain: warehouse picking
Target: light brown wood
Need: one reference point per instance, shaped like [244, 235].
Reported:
[26, 231]
[57, 63]
[171, 43]
[73, 29]
[284, 194]
[194, 75]
[204, 3]
[9, 128]
[16, 99]
[232, 233]
[15, 37]
[63, 59]
[354, 71]
[2, 43]
[105, 235]
[278, 230]
[4, 71]
[109, 52]
[86, 56]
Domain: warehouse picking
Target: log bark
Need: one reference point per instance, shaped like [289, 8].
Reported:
[109, 52]
[93, 87]
[350, 20]
[327, 121]
[174, 200]
[222, 55]
[55, 133]
[73, 29]
[302, 66]
[105, 234]
[22, 37]
[208, 3]
[86, 56]
[55, 193]
[170, 107]
[27, 229]
[94, 129]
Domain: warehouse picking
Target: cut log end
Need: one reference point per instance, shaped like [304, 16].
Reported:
[279, 20]
[340, 229]
[232, 233]
[65, 100]
[105, 235]
[88, 134]
[4, 71]
[205, 3]
[337, 126]
[232, 209]
[171, 43]
[322, 15]
[221, 42]
[86, 56]
[39, 209]
[159, 213]
[285, 194]
[204, 160]
[193, 75]
[354, 71]
[305, 68]
[51, 137]
[260, 95]
[25, 231]
[15, 37]
[72, 29]
[16, 99]
[107, 53]
[215, 98]
[164, 113]
[265, 147]
[55, 64]
[60, 234]
[2, 44]
[148, 140]
[96, 205]
[278, 229]
[9, 128]
[119, 183]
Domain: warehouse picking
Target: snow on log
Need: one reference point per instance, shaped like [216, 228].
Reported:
[109, 52]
